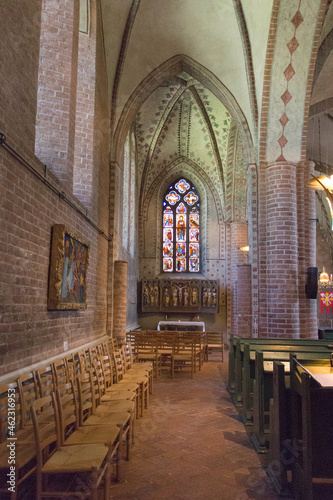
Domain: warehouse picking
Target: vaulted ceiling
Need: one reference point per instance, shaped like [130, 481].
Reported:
[182, 117]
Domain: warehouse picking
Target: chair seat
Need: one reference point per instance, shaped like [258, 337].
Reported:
[116, 406]
[94, 435]
[76, 458]
[118, 396]
[107, 418]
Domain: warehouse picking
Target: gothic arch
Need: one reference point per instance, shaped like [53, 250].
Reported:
[157, 77]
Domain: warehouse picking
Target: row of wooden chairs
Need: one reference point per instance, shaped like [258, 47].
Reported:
[71, 419]
[175, 350]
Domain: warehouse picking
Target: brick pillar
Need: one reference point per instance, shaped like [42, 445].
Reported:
[282, 251]
[306, 204]
[57, 76]
[244, 316]
[238, 238]
[84, 159]
[119, 300]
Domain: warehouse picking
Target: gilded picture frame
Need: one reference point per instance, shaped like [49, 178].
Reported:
[68, 270]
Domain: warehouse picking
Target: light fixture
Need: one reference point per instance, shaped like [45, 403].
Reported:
[324, 279]
[245, 248]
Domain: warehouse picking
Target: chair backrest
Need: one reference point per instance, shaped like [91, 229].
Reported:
[68, 410]
[183, 345]
[45, 420]
[29, 392]
[83, 361]
[112, 344]
[70, 367]
[86, 396]
[60, 373]
[118, 364]
[45, 380]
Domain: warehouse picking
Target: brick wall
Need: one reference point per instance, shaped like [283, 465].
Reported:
[28, 331]
[57, 78]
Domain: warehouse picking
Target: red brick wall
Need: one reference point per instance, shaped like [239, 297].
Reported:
[57, 78]
[28, 331]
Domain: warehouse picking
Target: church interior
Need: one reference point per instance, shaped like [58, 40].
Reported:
[158, 160]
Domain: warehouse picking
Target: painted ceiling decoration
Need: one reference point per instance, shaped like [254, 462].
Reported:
[182, 119]
[202, 81]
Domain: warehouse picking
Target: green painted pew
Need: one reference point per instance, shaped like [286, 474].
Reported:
[311, 432]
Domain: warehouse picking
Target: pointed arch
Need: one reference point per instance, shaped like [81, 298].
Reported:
[170, 69]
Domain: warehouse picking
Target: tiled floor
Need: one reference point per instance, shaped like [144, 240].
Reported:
[190, 444]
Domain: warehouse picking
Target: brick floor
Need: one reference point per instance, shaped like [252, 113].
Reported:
[191, 444]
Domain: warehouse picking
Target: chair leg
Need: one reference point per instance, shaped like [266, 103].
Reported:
[94, 486]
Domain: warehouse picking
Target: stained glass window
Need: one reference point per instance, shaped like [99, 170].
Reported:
[181, 229]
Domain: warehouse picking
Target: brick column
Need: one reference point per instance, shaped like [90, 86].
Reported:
[282, 251]
[119, 300]
[238, 238]
[306, 205]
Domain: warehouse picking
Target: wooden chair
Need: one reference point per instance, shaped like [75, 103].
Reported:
[73, 469]
[215, 343]
[142, 368]
[121, 390]
[136, 376]
[24, 444]
[90, 416]
[182, 354]
[106, 404]
[71, 433]
[146, 349]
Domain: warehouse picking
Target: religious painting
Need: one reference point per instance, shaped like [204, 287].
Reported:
[68, 270]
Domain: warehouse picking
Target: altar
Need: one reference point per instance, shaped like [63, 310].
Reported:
[181, 326]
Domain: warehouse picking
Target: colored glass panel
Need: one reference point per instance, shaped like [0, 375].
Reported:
[172, 197]
[180, 264]
[194, 234]
[181, 227]
[194, 219]
[167, 235]
[191, 198]
[181, 209]
[180, 246]
[168, 249]
[182, 186]
[168, 265]
[194, 265]
[180, 250]
[194, 250]
[168, 217]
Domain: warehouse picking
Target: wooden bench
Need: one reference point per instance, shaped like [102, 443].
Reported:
[235, 378]
[311, 428]
[263, 389]
[271, 352]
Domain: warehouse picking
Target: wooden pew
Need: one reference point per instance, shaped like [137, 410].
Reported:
[271, 352]
[256, 344]
[236, 352]
[311, 427]
[263, 389]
